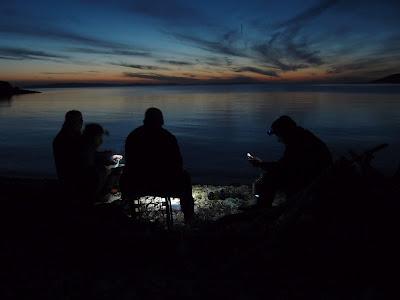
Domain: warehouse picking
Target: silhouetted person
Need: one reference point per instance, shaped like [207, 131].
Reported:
[305, 157]
[96, 176]
[66, 150]
[153, 163]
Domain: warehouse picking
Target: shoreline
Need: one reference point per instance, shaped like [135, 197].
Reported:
[49, 177]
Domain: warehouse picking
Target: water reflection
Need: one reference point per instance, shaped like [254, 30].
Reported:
[5, 101]
[215, 125]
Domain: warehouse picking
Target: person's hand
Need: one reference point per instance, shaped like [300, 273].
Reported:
[116, 158]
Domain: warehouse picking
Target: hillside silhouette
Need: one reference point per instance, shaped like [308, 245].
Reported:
[6, 89]
[394, 78]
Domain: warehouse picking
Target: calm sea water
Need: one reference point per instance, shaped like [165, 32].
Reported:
[215, 125]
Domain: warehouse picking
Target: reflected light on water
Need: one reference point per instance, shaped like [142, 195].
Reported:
[215, 125]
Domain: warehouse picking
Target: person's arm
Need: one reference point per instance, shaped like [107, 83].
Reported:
[104, 157]
[259, 163]
[264, 165]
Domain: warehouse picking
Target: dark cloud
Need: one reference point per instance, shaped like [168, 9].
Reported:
[383, 60]
[129, 52]
[300, 51]
[216, 61]
[86, 44]
[21, 54]
[191, 79]
[190, 75]
[288, 48]
[224, 46]
[171, 11]
[308, 14]
[346, 67]
[140, 67]
[68, 73]
[276, 57]
[61, 73]
[175, 62]
[161, 78]
[257, 71]
[372, 64]
[58, 34]
[228, 61]
[231, 80]
[124, 52]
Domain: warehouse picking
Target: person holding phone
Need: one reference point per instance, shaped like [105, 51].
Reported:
[97, 172]
[305, 157]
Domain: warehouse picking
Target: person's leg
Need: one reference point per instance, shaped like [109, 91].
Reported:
[265, 189]
[187, 201]
[110, 186]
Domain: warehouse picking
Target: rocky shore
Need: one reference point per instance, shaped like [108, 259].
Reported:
[54, 252]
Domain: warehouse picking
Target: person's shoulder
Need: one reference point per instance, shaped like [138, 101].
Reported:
[61, 137]
[168, 134]
[306, 134]
[304, 138]
[58, 136]
[312, 139]
[137, 131]
[56, 141]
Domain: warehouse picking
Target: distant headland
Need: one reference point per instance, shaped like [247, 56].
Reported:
[6, 90]
[394, 78]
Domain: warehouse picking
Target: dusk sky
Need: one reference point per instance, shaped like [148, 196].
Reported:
[147, 41]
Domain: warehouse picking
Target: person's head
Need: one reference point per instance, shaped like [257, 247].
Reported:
[284, 128]
[73, 120]
[93, 134]
[153, 118]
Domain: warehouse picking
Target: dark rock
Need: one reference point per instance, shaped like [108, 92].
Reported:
[6, 89]
[394, 78]
[212, 196]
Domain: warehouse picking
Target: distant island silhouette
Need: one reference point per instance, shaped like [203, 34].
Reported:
[394, 78]
[99, 84]
[6, 90]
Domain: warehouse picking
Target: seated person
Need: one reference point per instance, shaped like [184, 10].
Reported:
[153, 163]
[66, 151]
[96, 175]
[305, 157]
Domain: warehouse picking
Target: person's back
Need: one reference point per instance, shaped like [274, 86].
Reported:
[305, 157]
[152, 156]
[66, 149]
[94, 177]
[153, 163]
